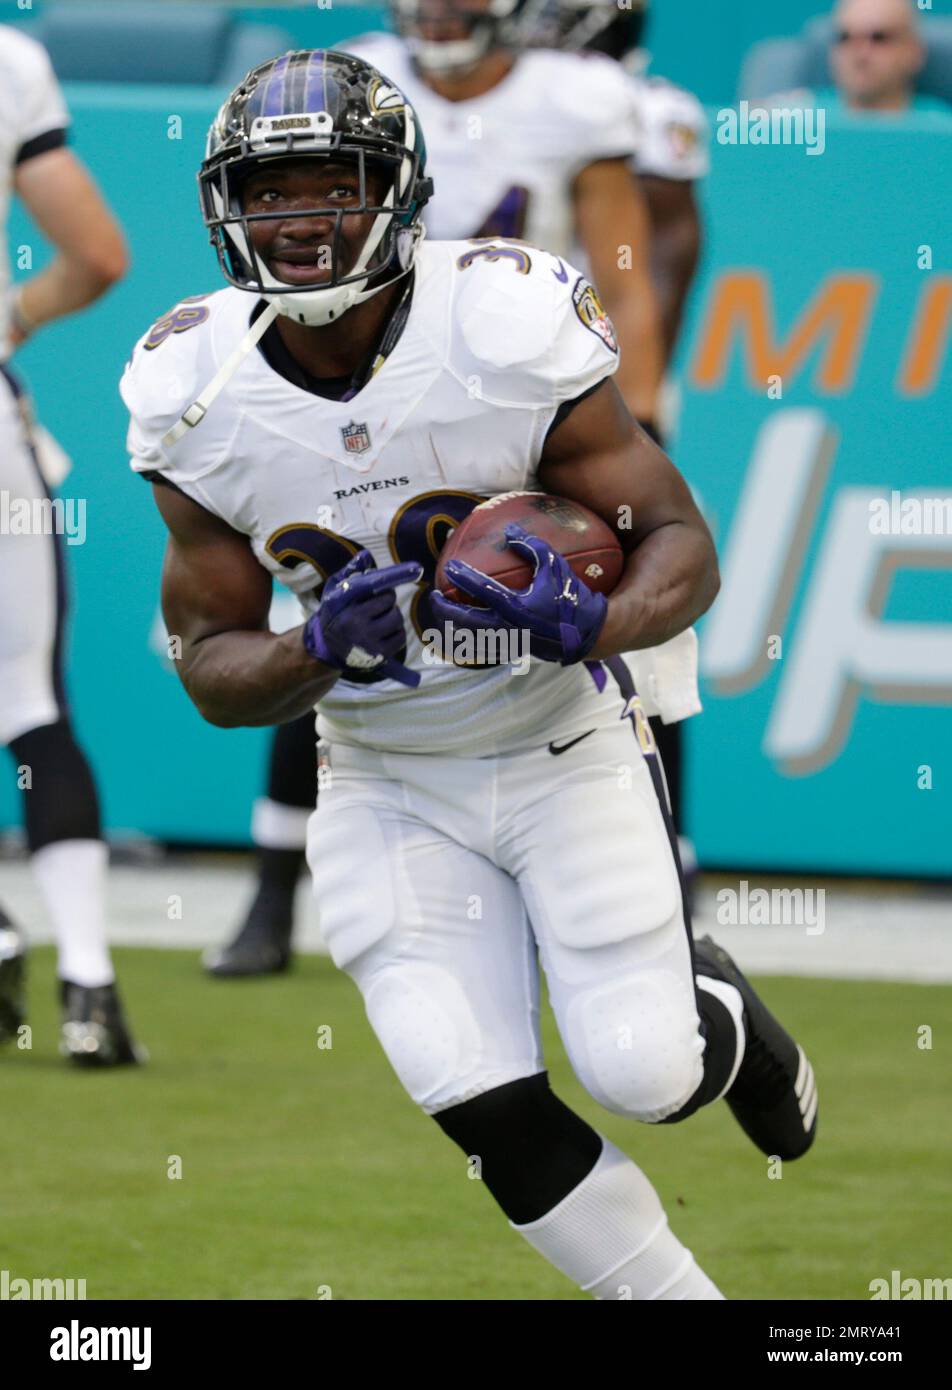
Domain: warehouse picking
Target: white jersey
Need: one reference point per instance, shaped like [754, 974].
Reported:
[497, 337]
[503, 164]
[33, 119]
[674, 131]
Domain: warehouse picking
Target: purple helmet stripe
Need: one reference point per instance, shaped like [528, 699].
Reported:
[273, 102]
[294, 90]
[315, 86]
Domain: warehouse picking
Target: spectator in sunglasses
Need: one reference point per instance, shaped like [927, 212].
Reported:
[876, 56]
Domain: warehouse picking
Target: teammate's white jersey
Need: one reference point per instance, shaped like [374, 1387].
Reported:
[673, 131]
[504, 163]
[496, 339]
[33, 118]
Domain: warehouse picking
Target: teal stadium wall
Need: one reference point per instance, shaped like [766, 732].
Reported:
[838, 754]
[781, 225]
[698, 43]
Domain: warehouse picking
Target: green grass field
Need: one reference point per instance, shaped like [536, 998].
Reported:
[305, 1167]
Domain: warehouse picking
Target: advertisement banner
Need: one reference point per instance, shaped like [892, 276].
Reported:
[815, 427]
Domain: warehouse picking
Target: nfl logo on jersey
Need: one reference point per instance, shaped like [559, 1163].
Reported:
[356, 438]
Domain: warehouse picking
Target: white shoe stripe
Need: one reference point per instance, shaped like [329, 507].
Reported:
[811, 1113]
[808, 1095]
[801, 1073]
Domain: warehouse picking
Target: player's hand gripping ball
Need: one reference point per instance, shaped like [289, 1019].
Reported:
[546, 595]
[358, 626]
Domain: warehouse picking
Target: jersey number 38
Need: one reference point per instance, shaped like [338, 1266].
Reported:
[417, 533]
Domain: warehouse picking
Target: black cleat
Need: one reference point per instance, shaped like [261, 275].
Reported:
[12, 979]
[262, 945]
[774, 1096]
[94, 1032]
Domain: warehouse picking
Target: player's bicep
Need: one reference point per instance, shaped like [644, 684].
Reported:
[211, 581]
[598, 456]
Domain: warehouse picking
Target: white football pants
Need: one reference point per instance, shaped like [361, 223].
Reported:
[441, 881]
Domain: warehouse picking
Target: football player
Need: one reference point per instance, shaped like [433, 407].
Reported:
[528, 144]
[63, 828]
[672, 156]
[325, 421]
[672, 150]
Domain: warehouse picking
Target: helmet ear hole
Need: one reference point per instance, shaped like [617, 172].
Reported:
[407, 240]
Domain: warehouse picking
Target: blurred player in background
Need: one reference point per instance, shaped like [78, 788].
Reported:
[672, 156]
[523, 143]
[672, 149]
[344, 349]
[64, 833]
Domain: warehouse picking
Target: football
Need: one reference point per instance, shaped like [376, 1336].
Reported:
[587, 542]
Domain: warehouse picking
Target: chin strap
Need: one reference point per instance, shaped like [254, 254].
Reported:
[199, 408]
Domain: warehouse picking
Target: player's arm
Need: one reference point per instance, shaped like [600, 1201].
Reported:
[599, 457]
[63, 200]
[675, 242]
[216, 598]
[611, 221]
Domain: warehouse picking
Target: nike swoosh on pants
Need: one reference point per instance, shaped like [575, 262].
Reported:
[564, 747]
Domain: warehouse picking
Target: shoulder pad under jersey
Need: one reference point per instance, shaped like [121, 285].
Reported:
[170, 366]
[528, 329]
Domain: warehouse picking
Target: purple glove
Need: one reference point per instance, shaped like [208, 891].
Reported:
[358, 627]
[562, 616]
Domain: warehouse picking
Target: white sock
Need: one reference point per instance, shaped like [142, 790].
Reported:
[729, 995]
[72, 878]
[610, 1235]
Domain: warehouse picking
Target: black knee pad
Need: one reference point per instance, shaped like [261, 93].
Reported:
[292, 770]
[720, 1051]
[61, 801]
[533, 1150]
